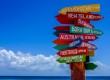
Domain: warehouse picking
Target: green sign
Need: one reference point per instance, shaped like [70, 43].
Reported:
[61, 47]
[60, 31]
[78, 58]
[83, 30]
[90, 66]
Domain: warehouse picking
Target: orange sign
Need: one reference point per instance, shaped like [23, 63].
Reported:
[83, 8]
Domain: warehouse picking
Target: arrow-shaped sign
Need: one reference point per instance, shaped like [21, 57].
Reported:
[66, 41]
[90, 66]
[83, 30]
[65, 28]
[78, 58]
[84, 23]
[84, 44]
[78, 15]
[73, 52]
[90, 46]
[60, 42]
[91, 53]
[60, 31]
[61, 47]
[71, 37]
[65, 21]
[77, 42]
[83, 8]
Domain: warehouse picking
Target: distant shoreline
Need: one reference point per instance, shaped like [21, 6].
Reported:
[46, 77]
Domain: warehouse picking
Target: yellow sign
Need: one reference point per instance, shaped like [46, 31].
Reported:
[83, 8]
[91, 53]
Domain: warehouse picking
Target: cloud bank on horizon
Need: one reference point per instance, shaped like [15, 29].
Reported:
[21, 61]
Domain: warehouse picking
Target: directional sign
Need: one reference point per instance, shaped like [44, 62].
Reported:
[71, 37]
[68, 38]
[60, 31]
[77, 58]
[90, 46]
[84, 44]
[84, 23]
[60, 42]
[64, 20]
[86, 16]
[90, 66]
[69, 45]
[73, 51]
[61, 47]
[83, 30]
[91, 53]
[83, 8]
[77, 42]
[65, 28]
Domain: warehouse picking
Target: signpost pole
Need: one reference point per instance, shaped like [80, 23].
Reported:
[77, 51]
[78, 71]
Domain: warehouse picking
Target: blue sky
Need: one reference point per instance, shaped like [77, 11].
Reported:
[26, 35]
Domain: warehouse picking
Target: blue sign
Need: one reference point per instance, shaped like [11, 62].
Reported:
[77, 42]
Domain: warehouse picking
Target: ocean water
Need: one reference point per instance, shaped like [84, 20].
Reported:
[50, 78]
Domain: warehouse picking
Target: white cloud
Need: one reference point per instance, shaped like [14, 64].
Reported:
[28, 62]
[101, 70]
[41, 63]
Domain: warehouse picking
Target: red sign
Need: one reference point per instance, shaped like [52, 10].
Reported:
[67, 38]
[60, 42]
[64, 20]
[66, 28]
[84, 23]
[76, 15]
[73, 51]
[71, 37]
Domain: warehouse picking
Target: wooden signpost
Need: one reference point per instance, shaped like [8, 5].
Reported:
[72, 41]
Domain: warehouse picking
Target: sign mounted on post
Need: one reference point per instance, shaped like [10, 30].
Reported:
[78, 15]
[84, 44]
[90, 66]
[73, 52]
[84, 23]
[65, 28]
[77, 42]
[67, 38]
[78, 58]
[71, 37]
[83, 8]
[83, 30]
